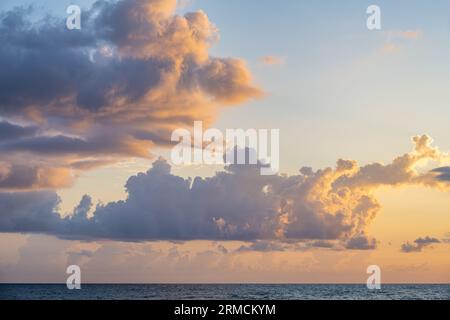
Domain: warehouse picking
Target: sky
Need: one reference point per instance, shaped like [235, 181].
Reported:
[85, 114]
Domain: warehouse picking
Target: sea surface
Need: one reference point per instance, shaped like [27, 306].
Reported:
[223, 291]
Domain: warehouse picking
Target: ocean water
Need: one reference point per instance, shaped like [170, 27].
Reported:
[222, 291]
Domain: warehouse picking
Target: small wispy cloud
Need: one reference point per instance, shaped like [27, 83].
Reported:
[443, 174]
[273, 60]
[407, 34]
[419, 244]
[396, 39]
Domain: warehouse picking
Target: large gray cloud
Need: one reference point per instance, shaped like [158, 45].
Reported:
[29, 211]
[163, 206]
[331, 207]
[114, 89]
[124, 50]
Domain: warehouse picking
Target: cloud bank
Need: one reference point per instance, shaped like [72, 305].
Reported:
[331, 205]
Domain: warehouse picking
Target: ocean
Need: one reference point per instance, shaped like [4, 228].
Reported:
[224, 292]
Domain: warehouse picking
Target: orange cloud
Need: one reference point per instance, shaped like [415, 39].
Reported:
[115, 88]
[272, 60]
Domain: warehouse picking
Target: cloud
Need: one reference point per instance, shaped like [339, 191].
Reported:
[112, 90]
[77, 256]
[361, 243]
[20, 177]
[447, 238]
[427, 240]
[442, 173]
[263, 246]
[272, 60]
[291, 245]
[10, 131]
[322, 244]
[331, 205]
[406, 34]
[419, 244]
[226, 80]
[32, 212]
[63, 145]
[390, 48]
[396, 40]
